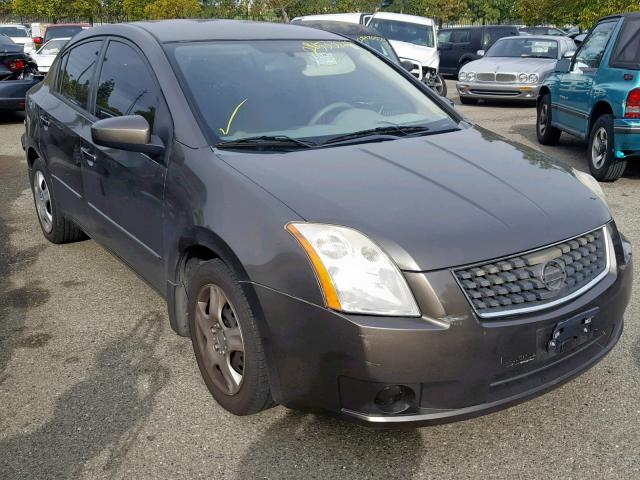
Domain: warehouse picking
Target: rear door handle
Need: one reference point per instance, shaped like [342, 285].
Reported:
[88, 156]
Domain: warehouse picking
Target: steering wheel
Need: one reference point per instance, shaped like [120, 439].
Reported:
[329, 108]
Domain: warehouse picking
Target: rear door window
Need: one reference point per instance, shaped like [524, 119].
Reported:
[492, 35]
[626, 53]
[461, 36]
[77, 72]
[126, 86]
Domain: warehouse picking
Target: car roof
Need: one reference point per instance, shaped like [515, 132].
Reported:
[621, 15]
[536, 37]
[402, 17]
[477, 27]
[199, 30]
[341, 28]
[12, 25]
[59, 25]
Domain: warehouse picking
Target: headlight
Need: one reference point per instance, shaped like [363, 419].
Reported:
[522, 78]
[462, 76]
[355, 275]
[591, 183]
[533, 78]
[471, 76]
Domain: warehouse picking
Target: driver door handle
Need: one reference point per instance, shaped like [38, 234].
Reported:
[45, 121]
[88, 156]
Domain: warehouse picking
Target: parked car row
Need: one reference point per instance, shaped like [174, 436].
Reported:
[329, 232]
[25, 60]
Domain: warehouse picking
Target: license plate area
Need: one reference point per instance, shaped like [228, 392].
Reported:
[570, 333]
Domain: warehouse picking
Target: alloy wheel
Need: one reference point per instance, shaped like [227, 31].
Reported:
[43, 201]
[219, 339]
[599, 148]
[543, 119]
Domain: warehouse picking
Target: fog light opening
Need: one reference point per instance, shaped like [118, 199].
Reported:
[395, 399]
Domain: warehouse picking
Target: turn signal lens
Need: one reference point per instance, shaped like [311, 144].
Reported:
[632, 109]
[16, 66]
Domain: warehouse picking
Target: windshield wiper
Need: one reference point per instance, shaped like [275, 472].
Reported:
[395, 130]
[266, 141]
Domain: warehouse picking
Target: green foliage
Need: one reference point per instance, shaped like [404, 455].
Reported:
[161, 9]
[561, 12]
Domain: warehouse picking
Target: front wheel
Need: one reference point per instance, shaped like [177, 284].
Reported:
[225, 339]
[603, 163]
[440, 86]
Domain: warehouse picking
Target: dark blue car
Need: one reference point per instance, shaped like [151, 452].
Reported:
[596, 96]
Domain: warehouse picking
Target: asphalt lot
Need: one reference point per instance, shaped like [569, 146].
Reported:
[94, 384]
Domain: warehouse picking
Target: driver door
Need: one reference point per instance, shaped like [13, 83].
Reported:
[575, 88]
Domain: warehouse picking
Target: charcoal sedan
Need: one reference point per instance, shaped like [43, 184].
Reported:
[513, 68]
[329, 232]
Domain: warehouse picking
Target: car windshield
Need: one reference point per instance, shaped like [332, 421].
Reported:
[61, 32]
[53, 47]
[14, 31]
[524, 48]
[312, 90]
[404, 31]
[380, 45]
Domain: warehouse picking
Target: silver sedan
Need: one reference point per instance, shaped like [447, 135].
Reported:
[513, 68]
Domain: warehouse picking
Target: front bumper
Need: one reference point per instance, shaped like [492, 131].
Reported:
[13, 93]
[627, 137]
[456, 365]
[500, 91]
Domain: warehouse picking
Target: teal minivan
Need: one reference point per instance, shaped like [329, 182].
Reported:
[595, 95]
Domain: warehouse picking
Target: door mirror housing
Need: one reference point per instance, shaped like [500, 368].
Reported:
[407, 65]
[130, 132]
[563, 65]
[480, 53]
[569, 54]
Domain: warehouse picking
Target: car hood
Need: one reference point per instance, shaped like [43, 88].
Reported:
[426, 55]
[511, 65]
[433, 202]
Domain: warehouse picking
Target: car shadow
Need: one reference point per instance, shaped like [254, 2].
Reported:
[102, 414]
[303, 445]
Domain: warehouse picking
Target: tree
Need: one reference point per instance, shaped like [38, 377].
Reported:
[160, 9]
[444, 11]
[134, 9]
[281, 7]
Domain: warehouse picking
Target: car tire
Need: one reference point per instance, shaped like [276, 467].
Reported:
[55, 227]
[440, 86]
[603, 163]
[226, 342]
[468, 101]
[546, 133]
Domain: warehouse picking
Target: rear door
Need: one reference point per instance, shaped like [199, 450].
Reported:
[125, 190]
[64, 118]
[460, 45]
[493, 34]
[573, 106]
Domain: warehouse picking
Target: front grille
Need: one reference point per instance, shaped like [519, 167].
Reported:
[486, 77]
[505, 77]
[536, 279]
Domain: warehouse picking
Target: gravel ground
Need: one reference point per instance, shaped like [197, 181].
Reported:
[94, 384]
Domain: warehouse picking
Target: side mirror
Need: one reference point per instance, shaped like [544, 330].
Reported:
[569, 54]
[480, 53]
[563, 65]
[407, 65]
[131, 133]
[444, 46]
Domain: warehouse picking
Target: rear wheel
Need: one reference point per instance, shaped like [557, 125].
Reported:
[55, 227]
[225, 340]
[603, 163]
[547, 134]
